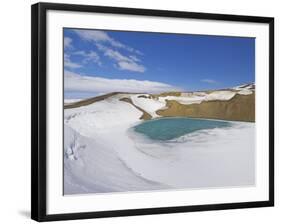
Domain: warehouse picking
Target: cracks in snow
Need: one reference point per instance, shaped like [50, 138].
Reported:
[71, 151]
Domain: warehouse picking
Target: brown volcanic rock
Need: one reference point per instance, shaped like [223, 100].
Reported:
[239, 108]
[91, 100]
[156, 96]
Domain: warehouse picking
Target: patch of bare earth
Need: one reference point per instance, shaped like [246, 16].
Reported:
[239, 108]
[156, 96]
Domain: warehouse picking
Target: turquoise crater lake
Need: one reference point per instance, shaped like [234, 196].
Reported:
[170, 128]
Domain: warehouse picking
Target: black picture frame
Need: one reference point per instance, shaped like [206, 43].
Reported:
[39, 108]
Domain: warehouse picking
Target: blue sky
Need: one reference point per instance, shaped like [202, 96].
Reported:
[97, 62]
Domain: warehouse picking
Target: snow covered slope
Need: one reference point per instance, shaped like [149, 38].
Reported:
[103, 154]
[151, 103]
[93, 166]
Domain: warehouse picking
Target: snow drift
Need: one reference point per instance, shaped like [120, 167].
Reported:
[102, 154]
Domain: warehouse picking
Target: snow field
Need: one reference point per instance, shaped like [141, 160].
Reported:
[103, 153]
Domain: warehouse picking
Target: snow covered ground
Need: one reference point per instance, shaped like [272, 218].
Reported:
[102, 154]
[149, 105]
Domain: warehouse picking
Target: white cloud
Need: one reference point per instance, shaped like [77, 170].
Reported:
[210, 81]
[130, 66]
[134, 58]
[113, 54]
[93, 35]
[75, 82]
[122, 62]
[67, 42]
[92, 56]
[98, 36]
[108, 46]
[70, 64]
